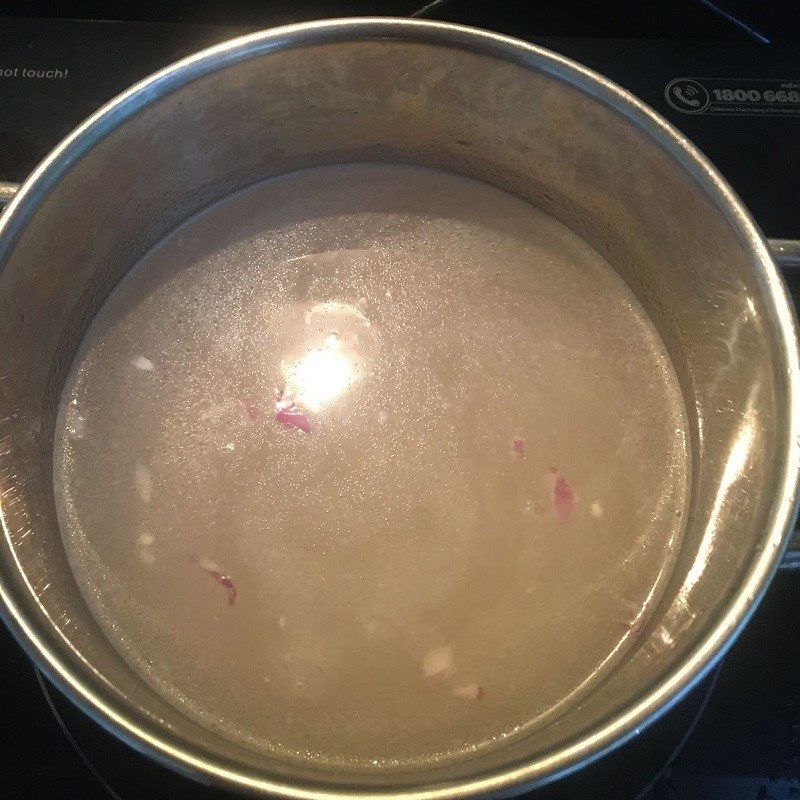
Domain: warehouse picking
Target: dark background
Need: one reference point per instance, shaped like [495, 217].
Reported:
[679, 19]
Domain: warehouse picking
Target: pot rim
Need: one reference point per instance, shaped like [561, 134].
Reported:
[616, 730]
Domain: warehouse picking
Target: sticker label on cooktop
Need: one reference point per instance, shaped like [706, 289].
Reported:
[751, 97]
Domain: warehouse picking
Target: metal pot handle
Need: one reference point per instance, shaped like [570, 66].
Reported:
[787, 256]
[7, 192]
[786, 253]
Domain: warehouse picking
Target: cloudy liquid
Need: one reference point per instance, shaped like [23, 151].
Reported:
[371, 465]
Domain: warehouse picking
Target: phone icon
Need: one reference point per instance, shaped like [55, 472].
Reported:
[687, 95]
[692, 102]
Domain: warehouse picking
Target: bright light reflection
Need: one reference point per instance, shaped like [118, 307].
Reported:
[734, 471]
[321, 375]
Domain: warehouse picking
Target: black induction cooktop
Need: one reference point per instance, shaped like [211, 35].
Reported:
[726, 73]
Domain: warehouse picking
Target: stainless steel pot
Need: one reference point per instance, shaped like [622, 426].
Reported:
[483, 105]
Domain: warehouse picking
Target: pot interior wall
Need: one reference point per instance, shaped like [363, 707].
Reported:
[525, 127]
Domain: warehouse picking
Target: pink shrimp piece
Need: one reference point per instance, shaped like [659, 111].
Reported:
[224, 580]
[518, 448]
[214, 570]
[563, 497]
[288, 413]
[293, 417]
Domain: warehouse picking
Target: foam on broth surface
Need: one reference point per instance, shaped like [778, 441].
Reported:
[474, 527]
